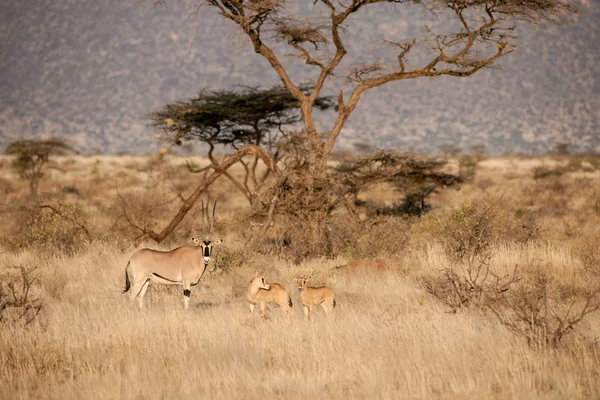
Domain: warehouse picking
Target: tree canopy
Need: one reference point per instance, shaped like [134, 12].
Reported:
[233, 118]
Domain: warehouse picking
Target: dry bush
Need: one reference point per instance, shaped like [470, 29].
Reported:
[50, 228]
[470, 236]
[225, 259]
[18, 303]
[524, 228]
[544, 172]
[542, 310]
[377, 236]
[468, 233]
[308, 205]
[468, 165]
[589, 253]
[467, 236]
[6, 187]
[304, 205]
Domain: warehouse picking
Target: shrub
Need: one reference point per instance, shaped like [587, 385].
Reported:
[377, 236]
[49, 228]
[467, 235]
[524, 228]
[18, 303]
[547, 172]
[542, 311]
[589, 254]
[226, 259]
[468, 165]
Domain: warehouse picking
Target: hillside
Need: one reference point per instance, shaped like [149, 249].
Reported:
[89, 70]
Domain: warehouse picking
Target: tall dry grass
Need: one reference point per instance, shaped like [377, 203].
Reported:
[388, 339]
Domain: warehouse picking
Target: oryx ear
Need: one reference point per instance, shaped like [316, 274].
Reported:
[217, 241]
[195, 240]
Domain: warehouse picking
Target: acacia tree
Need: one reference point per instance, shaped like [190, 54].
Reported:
[480, 33]
[33, 157]
[415, 177]
[235, 118]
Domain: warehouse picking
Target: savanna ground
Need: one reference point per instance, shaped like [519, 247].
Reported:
[400, 329]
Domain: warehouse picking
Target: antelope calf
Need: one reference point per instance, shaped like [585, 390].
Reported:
[315, 295]
[262, 292]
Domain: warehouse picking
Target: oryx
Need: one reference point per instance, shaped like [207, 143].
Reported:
[181, 266]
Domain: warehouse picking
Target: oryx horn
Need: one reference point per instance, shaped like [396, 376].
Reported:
[212, 221]
[202, 231]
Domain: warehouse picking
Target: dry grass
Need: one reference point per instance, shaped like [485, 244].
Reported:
[388, 339]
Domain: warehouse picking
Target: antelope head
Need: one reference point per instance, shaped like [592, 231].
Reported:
[203, 242]
[301, 283]
[259, 282]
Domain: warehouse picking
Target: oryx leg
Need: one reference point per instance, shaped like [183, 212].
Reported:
[326, 308]
[251, 308]
[186, 294]
[142, 292]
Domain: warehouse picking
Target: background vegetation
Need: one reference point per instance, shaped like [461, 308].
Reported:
[491, 293]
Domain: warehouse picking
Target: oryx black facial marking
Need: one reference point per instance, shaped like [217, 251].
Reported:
[187, 293]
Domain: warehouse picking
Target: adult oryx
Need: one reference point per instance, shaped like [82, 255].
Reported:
[182, 266]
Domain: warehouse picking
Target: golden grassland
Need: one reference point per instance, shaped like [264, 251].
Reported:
[389, 337]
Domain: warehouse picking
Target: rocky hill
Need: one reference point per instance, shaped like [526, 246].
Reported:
[89, 70]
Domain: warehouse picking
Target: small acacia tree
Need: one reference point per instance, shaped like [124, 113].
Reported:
[33, 156]
[234, 119]
[413, 176]
[478, 33]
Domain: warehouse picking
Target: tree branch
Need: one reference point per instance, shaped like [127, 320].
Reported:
[189, 202]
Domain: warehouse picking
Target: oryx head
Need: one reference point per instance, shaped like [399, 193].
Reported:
[301, 283]
[203, 242]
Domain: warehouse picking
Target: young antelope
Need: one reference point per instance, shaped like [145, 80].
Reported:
[262, 292]
[315, 295]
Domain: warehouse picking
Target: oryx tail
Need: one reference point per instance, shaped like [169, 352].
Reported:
[127, 281]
